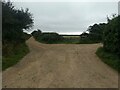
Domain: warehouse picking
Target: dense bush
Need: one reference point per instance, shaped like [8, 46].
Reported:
[70, 39]
[36, 34]
[26, 36]
[87, 40]
[13, 23]
[50, 37]
[13, 37]
[110, 53]
[112, 36]
[96, 32]
[94, 35]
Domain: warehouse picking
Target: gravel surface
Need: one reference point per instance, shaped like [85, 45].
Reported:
[60, 66]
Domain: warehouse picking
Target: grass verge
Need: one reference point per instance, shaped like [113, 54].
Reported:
[19, 52]
[110, 59]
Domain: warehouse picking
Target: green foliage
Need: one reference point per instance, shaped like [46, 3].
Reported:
[50, 38]
[46, 37]
[96, 32]
[109, 58]
[36, 34]
[110, 53]
[54, 38]
[70, 39]
[13, 37]
[17, 53]
[26, 36]
[87, 40]
[112, 36]
[13, 21]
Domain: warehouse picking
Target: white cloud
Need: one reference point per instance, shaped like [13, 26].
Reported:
[65, 0]
[68, 16]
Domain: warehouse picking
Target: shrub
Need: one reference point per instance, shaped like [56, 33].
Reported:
[26, 36]
[36, 34]
[50, 37]
[112, 36]
[96, 32]
[13, 37]
[13, 23]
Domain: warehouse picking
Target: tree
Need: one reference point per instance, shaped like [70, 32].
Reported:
[96, 32]
[112, 36]
[13, 22]
[36, 34]
[84, 35]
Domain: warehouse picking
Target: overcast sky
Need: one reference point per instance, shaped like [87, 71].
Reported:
[68, 17]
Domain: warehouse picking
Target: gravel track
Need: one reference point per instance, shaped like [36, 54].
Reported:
[60, 66]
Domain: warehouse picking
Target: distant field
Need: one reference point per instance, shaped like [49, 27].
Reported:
[71, 39]
[71, 36]
[54, 38]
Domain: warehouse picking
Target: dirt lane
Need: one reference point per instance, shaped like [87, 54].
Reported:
[60, 66]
